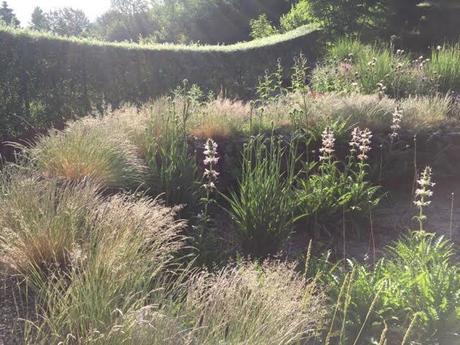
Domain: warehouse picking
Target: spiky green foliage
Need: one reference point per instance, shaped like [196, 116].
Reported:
[424, 279]
[262, 207]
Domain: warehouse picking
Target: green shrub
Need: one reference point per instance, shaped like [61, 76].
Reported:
[335, 189]
[300, 14]
[424, 279]
[416, 278]
[263, 206]
[262, 27]
[355, 295]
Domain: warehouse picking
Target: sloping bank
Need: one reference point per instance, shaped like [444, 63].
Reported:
[46, 79]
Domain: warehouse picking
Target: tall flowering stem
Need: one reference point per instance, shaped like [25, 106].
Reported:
[360, 146]
[354, 142]
[210, 174]
[364, 145]
[328, 142]
[396, 124]
[423, 194]
[326, 157]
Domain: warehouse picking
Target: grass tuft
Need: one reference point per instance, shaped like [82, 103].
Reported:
[89, 149]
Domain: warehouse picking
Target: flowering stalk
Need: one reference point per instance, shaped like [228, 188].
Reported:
[326, 157]
[396, 124]
[204, 240]
[354, 142]
[328, 142]
[422, 194]
[360, 146]
[210, 175]
[364, 145]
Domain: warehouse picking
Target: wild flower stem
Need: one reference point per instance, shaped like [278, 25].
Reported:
[371, 221]
[409, 330]
[415, 165]
[336, 309]
[451, 224]
[371, 309]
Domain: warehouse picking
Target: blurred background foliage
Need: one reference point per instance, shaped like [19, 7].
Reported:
[412, 23]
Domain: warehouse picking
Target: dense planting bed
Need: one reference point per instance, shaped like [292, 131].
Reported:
[300, 217]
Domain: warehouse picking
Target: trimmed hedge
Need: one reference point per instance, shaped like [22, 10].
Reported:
[46, 79]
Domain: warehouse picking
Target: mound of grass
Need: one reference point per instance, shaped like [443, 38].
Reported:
[129, 247]
[265, 303]
[89, 149]
[421, 113]
[42, 224]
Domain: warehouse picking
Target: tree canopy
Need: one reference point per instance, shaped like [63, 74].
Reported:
[39, 20]
[7, 15]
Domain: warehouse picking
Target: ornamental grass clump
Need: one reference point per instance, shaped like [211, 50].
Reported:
[252, 303]
[88, 149]
[244, 303]
[42, 225]
[263, 206]
[130, 247]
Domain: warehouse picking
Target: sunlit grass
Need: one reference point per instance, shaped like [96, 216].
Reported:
[89, 149]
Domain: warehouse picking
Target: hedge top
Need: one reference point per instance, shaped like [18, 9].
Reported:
[241, 46]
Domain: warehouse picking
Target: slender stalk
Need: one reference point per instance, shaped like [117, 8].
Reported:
[371, 309]
[327, 341]
[414, 184]
[344, 248]
[381, 164]
[383, 335]
[409, 330]
[371, 221]
[451, 225]
[308, 258]
[347, 302]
